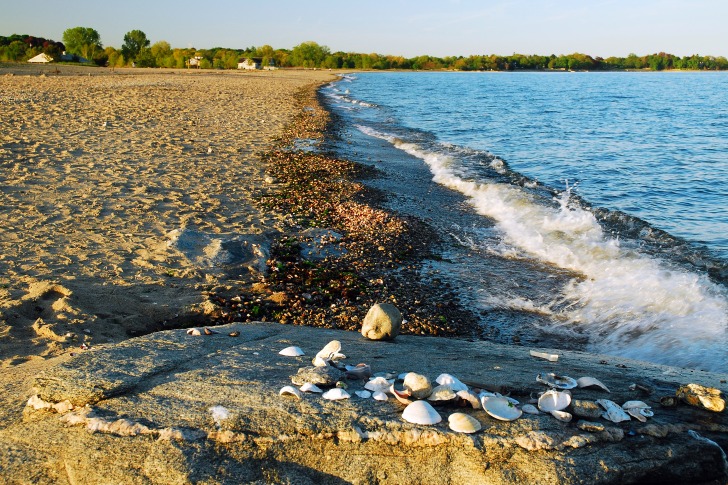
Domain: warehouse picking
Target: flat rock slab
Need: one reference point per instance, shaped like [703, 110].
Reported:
[175, 408]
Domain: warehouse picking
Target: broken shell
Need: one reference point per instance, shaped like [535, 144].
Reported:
[420, 412]
[291, 391]
[544, 355]
[530, 409]
[330, 352]
[194, 331]
[292, 351]
[419, 386]
[556, 381]
[613, 411]
[359, 371]
[553, 400]
[470, 397]
[234, 334]
[454, 383]
[500, 408]
[402, 396]
[335, 394]
[363, 394]
[561, 416]
[380, 396]
[442, 393]
[702, 397]
[463, 423]
[638, 409]
[308, 387]
[590, 382]
[378, 384]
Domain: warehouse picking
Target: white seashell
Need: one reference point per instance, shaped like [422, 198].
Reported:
[308, 387]
[590, 382]
[419, 386]
[530, 409]
[561, 416]
[635, 404]
[442, 393]
[378, 384]
[454, 383]
[219, 414]
[363, 394]
[638, 410]
[463, 423]
[613, 411]
[420, 412]
[402, 396]
[194, 331]
[553, 400]
[500, 408]
[335, 394]
[380, 396]
[290, 390]
[470, 396]
[544, 355]
[292, 351]
[556, 381]
[330, 352]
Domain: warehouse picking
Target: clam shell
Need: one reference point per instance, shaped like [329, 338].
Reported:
[638, 410]
[454, 383]
[556, 381]
[308, 387]
[330, 352]
[544, 355]
[335, 394]
[380, 396]
[463, 423]
[420, 412]
[561, 416]
[530, 409]
[402, 396]
[290, 390]
[419, 386]
[613, 411]
[194, 331]
[363, 394]
[553, 400]
[291, 351]
[378, 384]
[500, 408]
[442, 393]
[590, 382]
[469, 396]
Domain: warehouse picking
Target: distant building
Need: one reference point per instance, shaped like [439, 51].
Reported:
[194, 62]
[252, 63]
[41, 59]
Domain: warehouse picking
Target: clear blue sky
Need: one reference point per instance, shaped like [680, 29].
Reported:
[399, 27]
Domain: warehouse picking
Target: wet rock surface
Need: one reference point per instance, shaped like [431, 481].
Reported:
[174, 408]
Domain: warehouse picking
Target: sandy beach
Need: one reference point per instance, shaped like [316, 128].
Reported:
[118, 190]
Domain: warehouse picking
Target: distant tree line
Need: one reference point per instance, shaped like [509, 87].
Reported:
[138, 51]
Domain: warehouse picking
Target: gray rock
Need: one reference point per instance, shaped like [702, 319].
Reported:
[321, 376]
[586, 409]
[174, 408]
[382, 322]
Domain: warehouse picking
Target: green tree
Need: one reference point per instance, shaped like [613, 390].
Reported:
[135, 42]
[309, 54]
[82, 41]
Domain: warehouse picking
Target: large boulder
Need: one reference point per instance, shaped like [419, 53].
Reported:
[175, 408]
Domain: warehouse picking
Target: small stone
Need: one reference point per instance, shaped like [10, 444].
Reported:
[586, 409]
[326, 376]
[590, 426]
[382, 322]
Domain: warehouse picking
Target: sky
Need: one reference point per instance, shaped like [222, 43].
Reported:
[394, 27]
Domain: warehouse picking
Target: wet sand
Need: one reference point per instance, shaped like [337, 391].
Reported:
[118, 192]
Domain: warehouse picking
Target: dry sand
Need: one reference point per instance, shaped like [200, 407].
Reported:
[100, 170]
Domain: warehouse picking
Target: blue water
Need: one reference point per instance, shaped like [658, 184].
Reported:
[583, 210]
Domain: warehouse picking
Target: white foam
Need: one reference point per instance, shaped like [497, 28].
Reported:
[629, 303]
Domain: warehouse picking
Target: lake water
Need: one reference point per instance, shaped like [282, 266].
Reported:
[578, 210]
